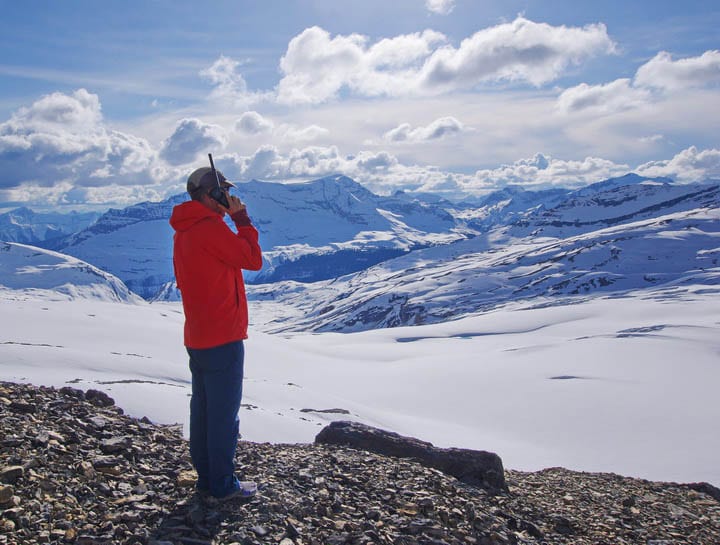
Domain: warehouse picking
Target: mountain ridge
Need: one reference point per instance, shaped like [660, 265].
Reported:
[329, 228]
[26, 226]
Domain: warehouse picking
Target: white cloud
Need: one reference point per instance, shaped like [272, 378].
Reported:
[375, 162]
[664, 73]
[62, 138]
[260, 163]
[268, 163]
[545, 171]
[253, 123]
[652, 139]
[690, 165]
[79, 112]
[404, 50]
[317, 67]
[441, 7]
[384, 173]
[191, 137]
[224, 75]
[230, 86]
[305, 134]
[378, 170]
[440, 128]
[660, 73]
[603, 99]
[519, 51]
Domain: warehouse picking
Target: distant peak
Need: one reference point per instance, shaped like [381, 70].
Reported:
[339, 179]
[629, 178]
[23, 211]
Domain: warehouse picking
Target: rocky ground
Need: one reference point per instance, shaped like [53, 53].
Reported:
[74, 469]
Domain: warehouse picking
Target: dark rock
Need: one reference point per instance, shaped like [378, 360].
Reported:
[291, 528]
[99, 422]
[474, 467]
[530, 528]
[22, 407]
[72, 392]
[115, 445]
[325, 411]
[705, 488]
[563, 526]
[11, 474]
[6, 494]
[98, 398]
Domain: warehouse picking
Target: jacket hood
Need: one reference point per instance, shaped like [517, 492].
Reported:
[187, 214]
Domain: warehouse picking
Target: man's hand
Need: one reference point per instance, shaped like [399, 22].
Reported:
[236, 205]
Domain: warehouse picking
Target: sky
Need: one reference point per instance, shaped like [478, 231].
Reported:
[105, 104]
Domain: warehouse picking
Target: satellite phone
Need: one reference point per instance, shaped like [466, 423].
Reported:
[217, 193]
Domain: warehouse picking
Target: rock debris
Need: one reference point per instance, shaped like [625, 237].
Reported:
[74, 469]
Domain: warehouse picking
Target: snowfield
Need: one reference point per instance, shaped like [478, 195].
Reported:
[623, 383]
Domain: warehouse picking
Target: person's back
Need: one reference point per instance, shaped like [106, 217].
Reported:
[208, 259]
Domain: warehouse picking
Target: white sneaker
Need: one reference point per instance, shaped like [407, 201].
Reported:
[246, 489]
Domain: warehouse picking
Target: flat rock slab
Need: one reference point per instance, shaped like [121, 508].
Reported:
[474, 467]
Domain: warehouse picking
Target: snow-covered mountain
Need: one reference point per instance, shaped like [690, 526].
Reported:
[505, 205]
[308, 231]
[332, 226]
[640, 250]
[134, 244]
[336, 231]
[31, 272]
[29, 227]
[606, 204]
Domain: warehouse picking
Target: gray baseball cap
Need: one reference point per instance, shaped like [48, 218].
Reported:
[204, 178]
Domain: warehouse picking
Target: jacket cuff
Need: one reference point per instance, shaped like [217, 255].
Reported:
[241, 218]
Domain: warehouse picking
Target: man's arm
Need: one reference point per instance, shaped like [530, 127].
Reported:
[239, 250]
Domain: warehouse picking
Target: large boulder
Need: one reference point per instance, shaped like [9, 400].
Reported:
[475, 467]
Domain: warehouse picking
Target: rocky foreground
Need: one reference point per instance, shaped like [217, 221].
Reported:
[74, 469]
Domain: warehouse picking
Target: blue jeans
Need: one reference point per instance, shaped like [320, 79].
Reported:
[217, 377]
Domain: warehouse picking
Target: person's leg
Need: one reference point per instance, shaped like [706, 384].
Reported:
[223, 376]
[198, 423]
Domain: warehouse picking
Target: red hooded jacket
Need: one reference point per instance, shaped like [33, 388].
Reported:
[209, 259]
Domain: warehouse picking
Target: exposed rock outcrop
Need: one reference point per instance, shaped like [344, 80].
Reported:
[474, 467]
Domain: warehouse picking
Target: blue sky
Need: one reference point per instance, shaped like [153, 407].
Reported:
[110, 103]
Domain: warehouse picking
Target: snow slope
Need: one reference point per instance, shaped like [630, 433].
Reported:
[134, 244]
[437, 284]
[609, 204]
[627, 384]
[27, 271]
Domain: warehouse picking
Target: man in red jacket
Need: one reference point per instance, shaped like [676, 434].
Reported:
[209, 259]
